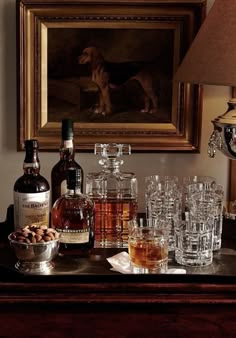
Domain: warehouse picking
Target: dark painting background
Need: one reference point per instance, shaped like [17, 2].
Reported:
[71, 92]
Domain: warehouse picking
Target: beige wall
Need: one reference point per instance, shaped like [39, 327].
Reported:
[214, 104]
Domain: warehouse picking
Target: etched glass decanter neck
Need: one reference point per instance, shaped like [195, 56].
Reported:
[111, 154]
[111, 164]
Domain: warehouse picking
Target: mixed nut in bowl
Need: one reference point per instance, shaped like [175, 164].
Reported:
[35, 247]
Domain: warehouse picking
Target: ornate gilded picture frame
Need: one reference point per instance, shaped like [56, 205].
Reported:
[108, 65]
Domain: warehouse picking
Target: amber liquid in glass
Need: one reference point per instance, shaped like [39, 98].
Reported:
[114, 194]
[147, 253]
[111, 221]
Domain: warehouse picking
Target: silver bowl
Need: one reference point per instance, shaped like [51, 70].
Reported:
[35, 258]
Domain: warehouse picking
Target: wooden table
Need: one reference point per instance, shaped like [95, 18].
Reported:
[84, 298]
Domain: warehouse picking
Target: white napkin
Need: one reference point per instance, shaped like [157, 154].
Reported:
[121, 263]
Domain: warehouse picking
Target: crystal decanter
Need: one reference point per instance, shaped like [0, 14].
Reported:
[114, 194]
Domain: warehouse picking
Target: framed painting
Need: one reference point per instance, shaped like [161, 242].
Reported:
[108, 65]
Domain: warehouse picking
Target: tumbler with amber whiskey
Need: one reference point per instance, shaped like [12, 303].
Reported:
[148, 248]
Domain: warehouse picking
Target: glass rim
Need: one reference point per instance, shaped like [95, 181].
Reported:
[161, 177]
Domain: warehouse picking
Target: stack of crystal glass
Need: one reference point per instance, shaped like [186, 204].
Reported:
[191, 211]
[163, 198]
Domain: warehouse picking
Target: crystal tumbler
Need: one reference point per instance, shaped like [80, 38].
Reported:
[163, 197]
[148, 249]
[194, 236]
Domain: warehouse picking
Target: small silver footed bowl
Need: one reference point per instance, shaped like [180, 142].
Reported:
[34, 258]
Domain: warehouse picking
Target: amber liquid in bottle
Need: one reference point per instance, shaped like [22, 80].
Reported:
[72, 216]
[31, 191]
[66, 161]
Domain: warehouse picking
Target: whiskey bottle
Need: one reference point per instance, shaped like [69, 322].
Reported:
[72, 215]
[31, 191]
[67, 152]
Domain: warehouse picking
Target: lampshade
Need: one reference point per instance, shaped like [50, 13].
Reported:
[211, 58]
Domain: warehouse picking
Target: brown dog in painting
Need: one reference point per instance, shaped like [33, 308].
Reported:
[107, 75]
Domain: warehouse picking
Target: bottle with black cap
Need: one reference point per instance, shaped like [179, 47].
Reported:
[66, 161]
[72, 215]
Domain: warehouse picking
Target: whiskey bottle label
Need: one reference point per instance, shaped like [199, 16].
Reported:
[68, 144]
[63, 187]
[31, 208]
[73, 236]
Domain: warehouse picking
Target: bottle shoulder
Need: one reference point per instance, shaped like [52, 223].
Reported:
[64, 164]
[74, 201]
[31, 184]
